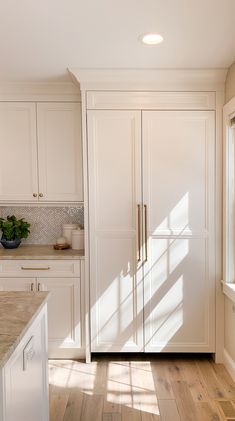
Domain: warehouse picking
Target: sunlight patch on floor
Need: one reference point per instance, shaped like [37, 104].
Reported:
[122, 383]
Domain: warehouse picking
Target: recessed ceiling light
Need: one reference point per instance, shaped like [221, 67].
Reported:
[151, 38]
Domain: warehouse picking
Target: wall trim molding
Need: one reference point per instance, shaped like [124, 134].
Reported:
[229, 107]
[123, 100]
[150, 79]
[229, 290]
[64, 91]
[229, 364]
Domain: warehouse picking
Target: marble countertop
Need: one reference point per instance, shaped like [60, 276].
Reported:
[35, 252]
[18, 310]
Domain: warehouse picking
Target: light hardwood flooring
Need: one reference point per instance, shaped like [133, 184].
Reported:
[146, 389]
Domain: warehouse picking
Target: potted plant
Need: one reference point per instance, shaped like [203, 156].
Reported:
[13, 230]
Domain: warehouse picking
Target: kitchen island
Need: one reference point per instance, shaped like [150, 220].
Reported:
[23, 356]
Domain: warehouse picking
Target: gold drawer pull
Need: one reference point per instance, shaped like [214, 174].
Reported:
[24, 268]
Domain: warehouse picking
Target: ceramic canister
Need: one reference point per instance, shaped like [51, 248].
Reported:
[78, 239]
[67, 232]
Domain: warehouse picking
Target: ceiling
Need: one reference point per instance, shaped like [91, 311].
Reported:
[40, 39]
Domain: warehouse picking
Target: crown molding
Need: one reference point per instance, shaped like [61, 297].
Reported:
[150, 79]
[65, 91]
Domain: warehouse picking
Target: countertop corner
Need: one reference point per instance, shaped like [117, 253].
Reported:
[18, 310]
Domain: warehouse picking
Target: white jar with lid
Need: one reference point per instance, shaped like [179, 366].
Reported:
[78, 239]
[67, 231]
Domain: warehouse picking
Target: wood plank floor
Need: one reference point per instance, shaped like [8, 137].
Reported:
[147, 389]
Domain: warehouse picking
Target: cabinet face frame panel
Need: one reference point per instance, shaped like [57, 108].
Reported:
[179, 236]
[109, 101]
[121, 100]
[74, 335]
[115, 234]
[51, 160]
[26, 157]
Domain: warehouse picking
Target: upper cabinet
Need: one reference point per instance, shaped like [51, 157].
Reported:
[42, 150]
[18, 143]
[59, 152]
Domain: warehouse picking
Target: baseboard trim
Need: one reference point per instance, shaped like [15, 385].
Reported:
[66, 354]
[229, 364]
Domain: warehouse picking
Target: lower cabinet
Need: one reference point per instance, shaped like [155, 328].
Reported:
[64, 314]
[65, 305]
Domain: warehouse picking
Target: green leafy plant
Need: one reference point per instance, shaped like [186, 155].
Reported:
[13, 228]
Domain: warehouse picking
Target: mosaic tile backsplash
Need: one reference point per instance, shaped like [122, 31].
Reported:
[46, 222]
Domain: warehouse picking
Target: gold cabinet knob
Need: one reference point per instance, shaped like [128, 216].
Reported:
[40, 195]
[34, 194]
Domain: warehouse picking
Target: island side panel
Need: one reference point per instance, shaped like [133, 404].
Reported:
[24, 378]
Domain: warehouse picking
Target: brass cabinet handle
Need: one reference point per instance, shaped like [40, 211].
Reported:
[146, 232]
[34, 194]
[39, 286]
[138, 233]
[24, 268]
[31, 286]
[40, 195]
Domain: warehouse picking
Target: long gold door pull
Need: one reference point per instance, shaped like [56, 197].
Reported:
[146, 232]
[139, 238]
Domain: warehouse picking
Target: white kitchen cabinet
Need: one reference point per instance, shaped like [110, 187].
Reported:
[178, 194]
[59, 152]
[24, 377]
[64, 312]
[35, 268]
[65, 308]
[18, 145]
[152, 279]
[115, 192]
[41, 145]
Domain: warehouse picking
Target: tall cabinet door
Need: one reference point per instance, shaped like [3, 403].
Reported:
[116, 300]
[179, 268]
[18, 145]
[60, 152]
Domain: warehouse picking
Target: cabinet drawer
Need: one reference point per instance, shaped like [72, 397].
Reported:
[39, 268]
